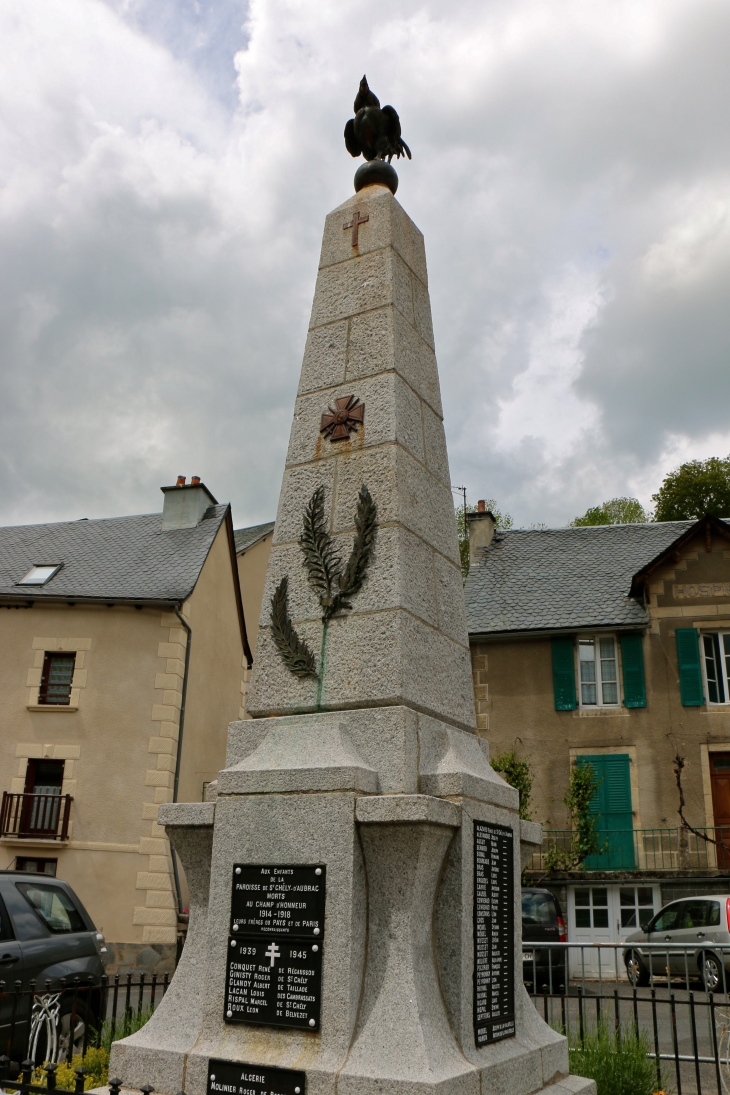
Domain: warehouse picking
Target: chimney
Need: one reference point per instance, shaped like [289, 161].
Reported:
[481, 528]
[185, 504]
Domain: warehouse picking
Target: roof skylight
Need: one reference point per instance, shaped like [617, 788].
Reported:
[40, 574]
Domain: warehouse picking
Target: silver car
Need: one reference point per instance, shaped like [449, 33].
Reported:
[702, 926]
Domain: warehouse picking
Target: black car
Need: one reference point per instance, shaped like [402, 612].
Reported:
[46, 937]
[542, 922]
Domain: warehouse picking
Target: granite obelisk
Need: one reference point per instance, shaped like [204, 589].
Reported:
[361, 761]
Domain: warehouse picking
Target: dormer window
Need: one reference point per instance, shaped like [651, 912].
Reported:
[40, 574]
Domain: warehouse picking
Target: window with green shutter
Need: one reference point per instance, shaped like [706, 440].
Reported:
[564, 674]
[632, 667]
[690, 671]
[612, 805]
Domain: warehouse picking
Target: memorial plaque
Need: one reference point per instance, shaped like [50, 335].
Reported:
[276, 900]
[234, 1078]
[494, 933]
[273, 981]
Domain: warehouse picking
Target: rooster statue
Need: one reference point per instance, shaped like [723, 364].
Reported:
[374, 132]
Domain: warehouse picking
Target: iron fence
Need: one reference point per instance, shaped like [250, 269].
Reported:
[35, 816]
[677, 996]
[644, 849]
[57, 1021]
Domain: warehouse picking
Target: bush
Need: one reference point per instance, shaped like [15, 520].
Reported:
[616, 1060]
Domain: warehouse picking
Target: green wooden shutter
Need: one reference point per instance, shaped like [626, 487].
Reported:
[690, 672]
[632, 666]
[564, 674]
[612, 803]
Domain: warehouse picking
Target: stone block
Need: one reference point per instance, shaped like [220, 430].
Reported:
[384, 737]
[437, 459]
[452, 763]
[155, 916]
[298, 486]
[159, 935]
[325, 357]
[315, 755]
[186, 815]
[161, 745]
[152, 846]
[422, 313]
[451, 609]
[392, 414]
[159, 863]
[168, 680]
[160, 899]
[166, 762]
[164, 713]
[146, 880]
[407, 809]
[388, 225]
[356, 286]
[157, 778]
[416, 362]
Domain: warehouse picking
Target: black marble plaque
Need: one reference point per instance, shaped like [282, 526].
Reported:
[277, 982]
[494, 933]
[234, 1078]
[278, 900]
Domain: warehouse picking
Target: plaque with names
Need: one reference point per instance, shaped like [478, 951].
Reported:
[278, 900]
[277, 982]
[235, 1078]
[494, 933]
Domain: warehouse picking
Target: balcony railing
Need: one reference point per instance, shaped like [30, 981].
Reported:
[39, 817]
[675, 849]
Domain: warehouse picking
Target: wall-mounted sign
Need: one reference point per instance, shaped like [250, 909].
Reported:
[234, 1078]
[271, 900]
[494, 933]
[692, 591]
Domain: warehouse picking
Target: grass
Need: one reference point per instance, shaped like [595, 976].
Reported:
[616, 1059]
[96, 1059]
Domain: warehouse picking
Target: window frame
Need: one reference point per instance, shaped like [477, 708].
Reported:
[53, 567]
[595, 638]
[48, 657]
[719, 654]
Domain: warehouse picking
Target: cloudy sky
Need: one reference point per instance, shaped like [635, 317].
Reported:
[165, 169]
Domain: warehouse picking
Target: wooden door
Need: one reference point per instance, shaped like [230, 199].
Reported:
[720, 780]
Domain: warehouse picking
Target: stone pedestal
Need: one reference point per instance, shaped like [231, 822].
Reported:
[373, 768]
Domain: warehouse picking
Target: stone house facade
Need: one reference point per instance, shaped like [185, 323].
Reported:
[610, 646]
[123, 655]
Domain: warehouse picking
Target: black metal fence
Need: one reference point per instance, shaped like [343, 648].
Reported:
[24, 1081]
[673, 995]
[59, 1020]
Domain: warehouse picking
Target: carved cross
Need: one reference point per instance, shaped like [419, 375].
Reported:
[347, 414]
[354, 224]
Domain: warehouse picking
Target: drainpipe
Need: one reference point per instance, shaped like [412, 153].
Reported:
[176, 781]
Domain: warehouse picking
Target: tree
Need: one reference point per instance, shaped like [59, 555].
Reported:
[617, 511]
[694, 489]
[584, 840]
[501, 520]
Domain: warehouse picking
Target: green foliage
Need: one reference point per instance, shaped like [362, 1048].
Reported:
[96, 1059]
[694, 489]
[616, 1059]
[518, 774]
[584, 840]
[617, 511]
[501, 520]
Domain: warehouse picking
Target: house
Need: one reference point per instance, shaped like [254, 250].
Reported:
[124, 647]
[253, 546]
[610, 646]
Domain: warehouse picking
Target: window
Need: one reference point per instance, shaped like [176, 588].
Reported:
[39, 575]
[58, 671]
[591, 908]
[637, 906]
[668, 920]
[598, 672]
[54, 907]
[36, 866]
[538, 909]
[716, 651]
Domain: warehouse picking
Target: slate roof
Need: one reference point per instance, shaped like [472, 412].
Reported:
[117, 558]
[563, 579]
[246, 537]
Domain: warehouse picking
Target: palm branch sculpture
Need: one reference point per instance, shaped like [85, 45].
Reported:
[335, 587]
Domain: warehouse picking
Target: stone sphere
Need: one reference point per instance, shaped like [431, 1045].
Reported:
[374, 172]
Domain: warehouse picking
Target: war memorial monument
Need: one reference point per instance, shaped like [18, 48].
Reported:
[354, 878]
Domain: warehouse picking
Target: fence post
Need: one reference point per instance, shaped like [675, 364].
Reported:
[50, 1071]
[114, 1085]
[79, 1085]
